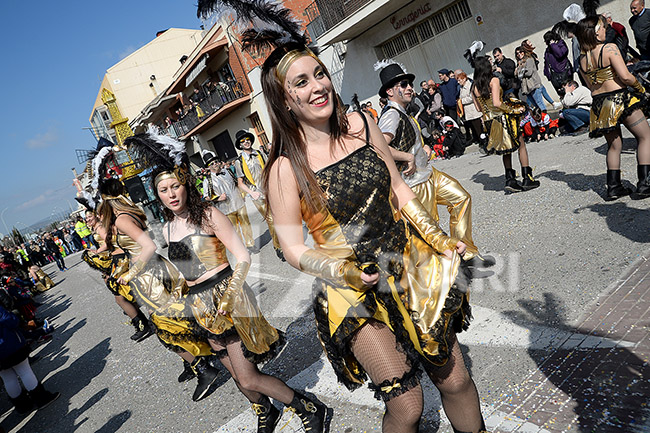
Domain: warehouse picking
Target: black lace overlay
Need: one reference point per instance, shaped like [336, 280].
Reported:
[357, 192]
[181, 254]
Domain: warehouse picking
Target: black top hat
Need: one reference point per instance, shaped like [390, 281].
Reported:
[208, 157]
[390, 75]
[241, 135]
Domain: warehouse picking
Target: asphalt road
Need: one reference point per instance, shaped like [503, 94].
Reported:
[558, 247]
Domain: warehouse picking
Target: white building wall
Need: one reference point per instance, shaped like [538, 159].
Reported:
[503, 23]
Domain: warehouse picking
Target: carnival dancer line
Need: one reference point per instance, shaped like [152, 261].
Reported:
[402, 133]
[502, 117]
[604, 70]
[250, 166]
[221, 302]
[154, 281]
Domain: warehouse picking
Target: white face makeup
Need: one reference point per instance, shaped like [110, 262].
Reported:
[173, 195]
[308, 90]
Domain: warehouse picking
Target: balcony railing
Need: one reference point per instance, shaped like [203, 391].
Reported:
[315, 26]
[220, 96]
[332, 12]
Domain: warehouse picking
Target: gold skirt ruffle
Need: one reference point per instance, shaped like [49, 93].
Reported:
[45, 280]
[103, 262]
[609, 109]
[257, 335]
[179, 334]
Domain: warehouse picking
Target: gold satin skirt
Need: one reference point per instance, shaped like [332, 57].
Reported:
[103, 262]
[259, 338]
[424, 309]
[609, 109]
[178, 334]
[119, 266]
[45, 280]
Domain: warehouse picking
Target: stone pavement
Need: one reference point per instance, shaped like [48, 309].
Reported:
[586, 387]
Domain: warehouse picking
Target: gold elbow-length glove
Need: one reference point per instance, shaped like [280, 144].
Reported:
[339, 271]
[235, 286]
[133, 271]
[427, 227]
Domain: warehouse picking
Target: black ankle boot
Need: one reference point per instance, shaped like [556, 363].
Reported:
[207, 376]
[41, 397]
[643, 187]
[187, 373]
[267, 415]
[143, 328]
[529, 182]
[511, 181]
[615, 188]
[312, 414]
[23, 403]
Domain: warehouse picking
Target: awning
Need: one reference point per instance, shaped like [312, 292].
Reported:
[197, 70]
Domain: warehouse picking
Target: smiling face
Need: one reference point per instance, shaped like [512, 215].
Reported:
[172, 194]
[246, 143]
[308, 91]
[215, 167]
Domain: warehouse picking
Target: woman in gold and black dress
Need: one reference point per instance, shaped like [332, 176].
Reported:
[501, 118]
[614, 104]
[387, 296]
[154, 281]
[106, 261]
[218, 298]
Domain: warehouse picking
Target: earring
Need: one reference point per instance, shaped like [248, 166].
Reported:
[288, 108]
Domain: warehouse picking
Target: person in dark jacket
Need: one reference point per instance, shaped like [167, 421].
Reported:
[557, 67]
[54, 250]
[14, 364]
[450, 90]
[506, 67]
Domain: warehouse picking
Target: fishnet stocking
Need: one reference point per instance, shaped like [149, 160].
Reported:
[375, 348]
[457, 392]
[250, 381]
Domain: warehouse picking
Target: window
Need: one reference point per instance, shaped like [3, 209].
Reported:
[400, 44]
[259, 128]
[425, 31]
[438, 22]
[411, 38]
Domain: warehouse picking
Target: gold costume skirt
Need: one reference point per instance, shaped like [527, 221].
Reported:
[260, 341]
[503, 132]
[609, 109]
[424, 310]
[102, 262]
[45, 280]
[119, 266]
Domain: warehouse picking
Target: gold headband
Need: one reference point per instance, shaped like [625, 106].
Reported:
[287, 60]
[179, 174]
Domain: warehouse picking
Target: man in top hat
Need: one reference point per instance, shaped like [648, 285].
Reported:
[432, 187]
[450, 90]
[249, 167]
[221, 188]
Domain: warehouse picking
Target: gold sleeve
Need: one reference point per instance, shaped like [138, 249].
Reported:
[134, 270]
[638, 87]
[459, 204]
[338, 271]
[427, 227]
[227, 301]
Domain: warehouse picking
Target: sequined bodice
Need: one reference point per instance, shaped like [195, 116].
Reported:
[488, 108]
[357, 194]
[196, 254]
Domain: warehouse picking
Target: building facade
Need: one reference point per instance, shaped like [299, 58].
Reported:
[428, 35]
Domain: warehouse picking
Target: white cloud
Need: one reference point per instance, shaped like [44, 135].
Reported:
[44, 140]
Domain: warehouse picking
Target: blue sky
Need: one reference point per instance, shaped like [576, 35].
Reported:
[54, 57]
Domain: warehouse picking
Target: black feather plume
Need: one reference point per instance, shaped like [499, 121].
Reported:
[590, 7]
[272, 23]
[148, 152]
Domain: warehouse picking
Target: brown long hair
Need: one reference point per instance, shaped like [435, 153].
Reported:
[113, 204]
[586, 32]
[288, 135]
[195, 205]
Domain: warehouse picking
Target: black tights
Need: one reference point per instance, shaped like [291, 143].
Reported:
[457, 392]
[250, 381]
[375, 348]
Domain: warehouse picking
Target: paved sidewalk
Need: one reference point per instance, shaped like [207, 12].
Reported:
[587, 387]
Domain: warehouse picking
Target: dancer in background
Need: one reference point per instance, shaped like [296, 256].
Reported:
[613, 104]
[221, 302]
[502, 119]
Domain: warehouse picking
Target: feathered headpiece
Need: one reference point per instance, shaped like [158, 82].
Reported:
[87, 200]
[98, 165]
[590, 7]
[267, 23]
[161, 153]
